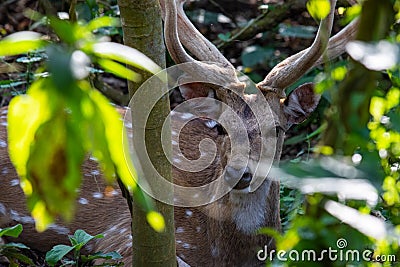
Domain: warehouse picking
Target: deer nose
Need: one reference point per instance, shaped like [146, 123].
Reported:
[232, 173]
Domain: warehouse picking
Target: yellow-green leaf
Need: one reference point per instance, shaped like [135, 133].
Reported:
[104, 21]
[377, 107]
[117, 139]
[26, 114]
[20, 43]
[318, 9]
[119, 70]
[126, 55]
[156, 221]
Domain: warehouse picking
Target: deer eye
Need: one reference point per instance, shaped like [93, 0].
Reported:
[221, 130]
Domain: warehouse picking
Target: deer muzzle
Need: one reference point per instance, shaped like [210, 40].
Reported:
[232, 174]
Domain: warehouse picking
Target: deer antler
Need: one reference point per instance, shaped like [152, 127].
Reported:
[292, 68]
[337, 43]
[217, 72]
[201, 47]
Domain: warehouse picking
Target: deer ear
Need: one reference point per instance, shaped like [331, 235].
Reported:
[300, 104]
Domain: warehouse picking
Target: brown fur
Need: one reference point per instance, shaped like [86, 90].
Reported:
[210, 235]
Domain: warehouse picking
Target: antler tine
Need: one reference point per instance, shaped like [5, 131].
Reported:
[174, 46]
[193, 40]
[292, 68]
[223, 76]
[337, 43]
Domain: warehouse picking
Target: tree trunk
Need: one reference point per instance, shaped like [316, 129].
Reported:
[142, 27]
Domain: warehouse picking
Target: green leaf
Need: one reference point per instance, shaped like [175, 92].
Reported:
[13, 231]
[114, 127]
[224, 36]
[119, 70]
[13, 254]
[126, 55]
[297, 31]
[156, 221]
[43, 168]
[57, 253]
[101, 22]
[81, 238]
[318, 9]
[22, 128]
[14, 245]
[254, 55]
[20, 43]
[64, 30]
[58, 65]
[101, 255]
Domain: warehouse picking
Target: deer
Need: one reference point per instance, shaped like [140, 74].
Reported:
[223, 232]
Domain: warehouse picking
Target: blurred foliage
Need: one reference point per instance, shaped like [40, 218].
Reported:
[61, 109]
[361, 139]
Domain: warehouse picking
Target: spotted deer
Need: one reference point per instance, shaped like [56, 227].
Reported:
[223, 232]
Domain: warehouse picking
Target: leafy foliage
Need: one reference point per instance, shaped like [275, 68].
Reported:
[352, 192]
[78, 241]
[13, 251]
[66, 112]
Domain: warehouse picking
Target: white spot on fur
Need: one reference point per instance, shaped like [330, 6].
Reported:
[21, 218]
[128, 125]
[187, 116]
[3, 143]
[83, 201]
[14, 182]
[59, 229]
[178, 241]
[174, 143]
[176, 160]
[95, 172]
[214, 251]
[174, 133]
[98, 195]
[123, 230]
[211, 124]
[189, 213]
[198, 229]
[89, 247]
[186, 245]
[180, 230]
[93, 158]
[3, 123]
[2, 209]
[4, 112]
[4, 170]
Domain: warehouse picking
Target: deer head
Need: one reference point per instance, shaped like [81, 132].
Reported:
[252, 201]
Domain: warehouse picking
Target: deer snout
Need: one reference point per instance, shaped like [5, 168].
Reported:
[232, 173]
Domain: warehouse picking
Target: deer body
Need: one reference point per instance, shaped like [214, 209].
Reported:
[221, 233]
[201, 240]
